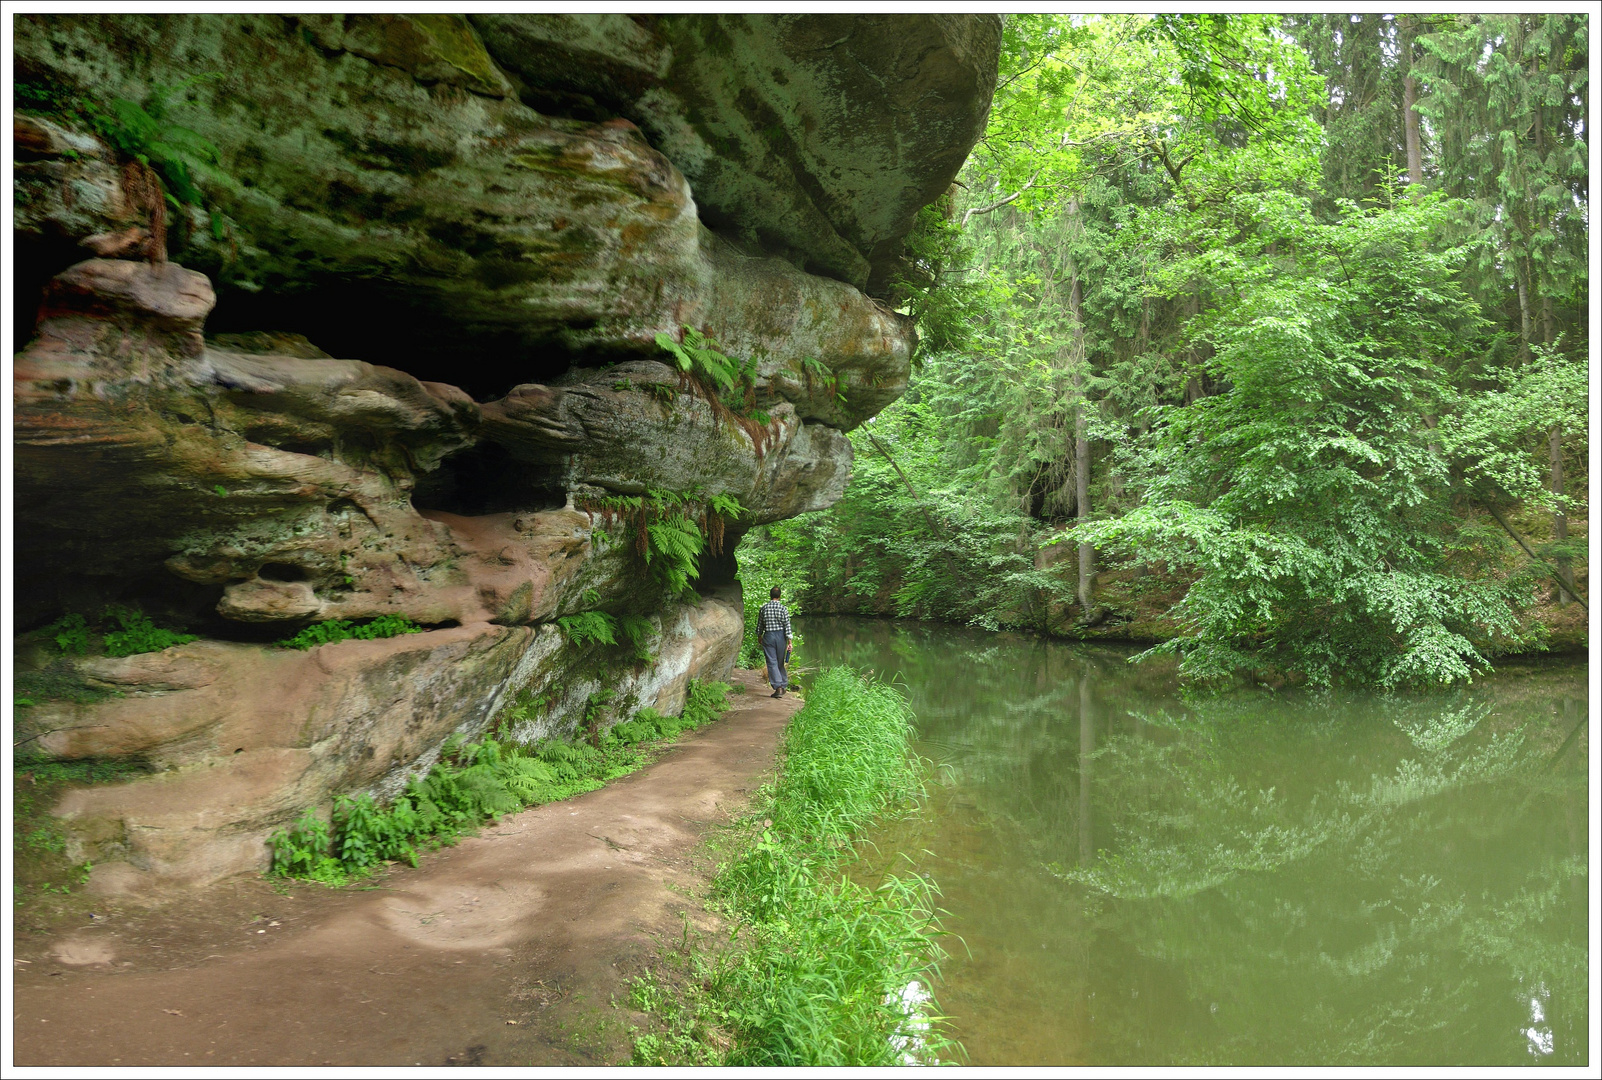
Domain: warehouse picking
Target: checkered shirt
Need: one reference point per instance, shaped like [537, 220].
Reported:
[773, 616]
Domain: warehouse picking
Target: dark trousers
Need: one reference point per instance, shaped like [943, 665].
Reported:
[773, 649]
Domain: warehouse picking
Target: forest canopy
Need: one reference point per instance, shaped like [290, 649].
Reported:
[1260, 337]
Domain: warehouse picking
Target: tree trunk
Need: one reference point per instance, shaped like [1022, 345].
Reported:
[1560, 520]
[1410, 120]
[1524, 315]
[1087, 554]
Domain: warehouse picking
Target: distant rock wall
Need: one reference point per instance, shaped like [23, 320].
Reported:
[497, 215]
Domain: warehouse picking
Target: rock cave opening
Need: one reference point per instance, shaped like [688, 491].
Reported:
[360, 321]
[486, 479]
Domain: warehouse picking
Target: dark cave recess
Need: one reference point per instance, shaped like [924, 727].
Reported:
[380, 326]
[485, 479]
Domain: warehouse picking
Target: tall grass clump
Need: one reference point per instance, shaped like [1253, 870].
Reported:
[825, 970]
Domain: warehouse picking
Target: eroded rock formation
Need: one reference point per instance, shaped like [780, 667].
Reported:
[494, 215]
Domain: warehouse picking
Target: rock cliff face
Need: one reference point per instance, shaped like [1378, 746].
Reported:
[498, 217]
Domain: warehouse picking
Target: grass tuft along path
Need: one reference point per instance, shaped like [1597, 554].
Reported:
[508, 949]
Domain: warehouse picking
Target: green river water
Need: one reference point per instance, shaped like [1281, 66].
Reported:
[1136, 878]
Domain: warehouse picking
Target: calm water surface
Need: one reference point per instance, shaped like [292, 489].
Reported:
[1251, 879]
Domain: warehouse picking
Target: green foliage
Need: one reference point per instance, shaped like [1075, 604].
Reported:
[326, 633]
[822, 964]
[1505, 98]
[1491, 433]
[597, 627]
[669, 532]
[639, 632]
[727, 506]
[143, 132]
[589, 627]
[137, 634]
[471, 783]
[672, 552]
[937, 285]
[41, 868]
[122, 631]
[699, 355]
[817, 373]
[1151, 244]
[1311, 498]
[71, 634]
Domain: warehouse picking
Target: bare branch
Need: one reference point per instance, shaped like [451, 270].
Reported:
[999, 203]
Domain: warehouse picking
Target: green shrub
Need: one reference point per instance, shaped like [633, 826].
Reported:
[326, 633]
[134, 633]
[139, 634]
[71, 634]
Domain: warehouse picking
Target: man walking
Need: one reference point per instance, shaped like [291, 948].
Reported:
[773, 633]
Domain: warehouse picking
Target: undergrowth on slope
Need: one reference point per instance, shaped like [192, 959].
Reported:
[120, 631]
[822, 970]
[471, 783]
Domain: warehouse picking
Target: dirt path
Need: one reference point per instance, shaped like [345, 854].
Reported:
[507, 949]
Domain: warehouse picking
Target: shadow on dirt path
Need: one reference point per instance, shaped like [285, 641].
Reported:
[508, 949]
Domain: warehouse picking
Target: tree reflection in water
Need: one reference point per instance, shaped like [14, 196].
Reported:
[1248, 878]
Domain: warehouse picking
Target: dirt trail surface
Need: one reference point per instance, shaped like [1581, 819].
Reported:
[508, 949]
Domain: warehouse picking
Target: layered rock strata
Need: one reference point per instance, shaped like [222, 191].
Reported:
[398, 188]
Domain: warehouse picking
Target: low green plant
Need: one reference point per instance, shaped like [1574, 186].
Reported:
[473, 782]
[597, 627]
[71, 634]
[823, 971]
[526, 706]
[816, 372]
[326, 633]
[589, 627]
[305, 850]
[123, 631]
[698, 355]
[41, 868]
[137, 634]
[667, 535]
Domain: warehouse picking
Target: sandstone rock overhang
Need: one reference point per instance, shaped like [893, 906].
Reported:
[820, 135]
[404, 361]
[386, 165]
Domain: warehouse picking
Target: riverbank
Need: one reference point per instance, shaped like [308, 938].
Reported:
[820, 968]
[514, 947]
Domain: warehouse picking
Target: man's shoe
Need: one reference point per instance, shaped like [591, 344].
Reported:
[777, 693]
[781, 691]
